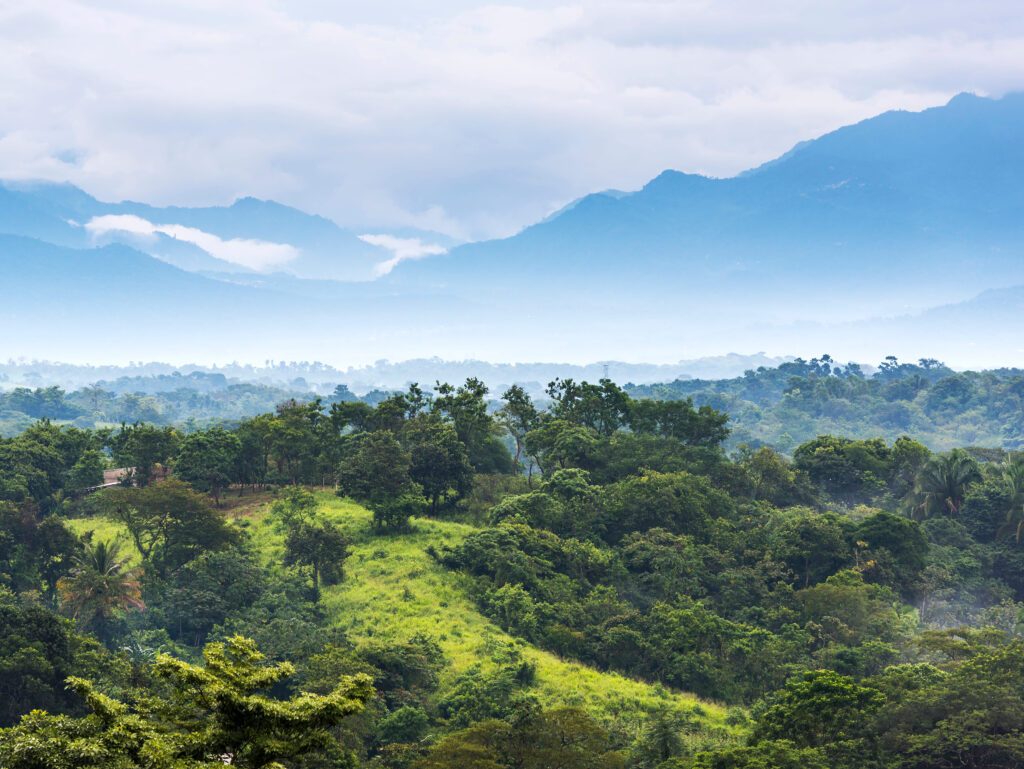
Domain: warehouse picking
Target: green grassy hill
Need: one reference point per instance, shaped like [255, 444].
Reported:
[394, 590]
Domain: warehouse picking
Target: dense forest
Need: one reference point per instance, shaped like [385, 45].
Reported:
[608, 577]
[789, 404]
[781, 406]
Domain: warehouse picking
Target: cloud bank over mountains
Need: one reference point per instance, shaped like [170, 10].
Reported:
[465, 119]
[403, 248]
[899, 235]
[246, 252]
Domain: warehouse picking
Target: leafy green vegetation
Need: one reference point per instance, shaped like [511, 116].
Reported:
[612, 589]
[788, 405]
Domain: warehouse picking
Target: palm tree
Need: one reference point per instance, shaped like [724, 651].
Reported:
[942, 483]
[1013, 478]
[99, 585]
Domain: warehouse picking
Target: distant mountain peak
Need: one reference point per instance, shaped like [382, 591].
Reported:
[967, 98]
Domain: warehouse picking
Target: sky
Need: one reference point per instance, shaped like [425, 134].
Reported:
[468, 119]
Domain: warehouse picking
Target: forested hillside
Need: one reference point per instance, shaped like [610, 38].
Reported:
[796, 401]
[443, 580]
[781, 406]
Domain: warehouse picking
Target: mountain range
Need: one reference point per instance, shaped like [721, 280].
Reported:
[901, 234]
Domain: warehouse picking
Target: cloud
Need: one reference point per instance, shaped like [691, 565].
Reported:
[255, 254]
[476, 119]
[403, 248]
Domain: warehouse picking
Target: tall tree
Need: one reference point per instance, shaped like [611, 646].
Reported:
[36, 656]
[208, 460]
[99, 585]
[518, 415]
[1013, 478]
[376, 473]
[169, 523]
[942, 483]
[322, 547]
[213, 715]
[438, 460]
[466, 408]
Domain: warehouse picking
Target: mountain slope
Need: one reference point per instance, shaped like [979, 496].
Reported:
[393, 590]
[840, 244]
[926, 205]
[60, 213]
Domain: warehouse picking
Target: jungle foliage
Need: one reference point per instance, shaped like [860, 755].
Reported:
[857, 602]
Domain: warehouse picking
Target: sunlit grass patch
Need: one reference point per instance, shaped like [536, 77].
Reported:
[394, 590]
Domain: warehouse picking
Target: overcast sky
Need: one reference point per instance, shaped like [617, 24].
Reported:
[466, 118]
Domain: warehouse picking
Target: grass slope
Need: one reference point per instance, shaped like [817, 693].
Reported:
[394, 590]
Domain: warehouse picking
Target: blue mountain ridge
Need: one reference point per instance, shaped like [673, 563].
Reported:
[56, 214]
[900, 234]
[924, 205]
[116, 303]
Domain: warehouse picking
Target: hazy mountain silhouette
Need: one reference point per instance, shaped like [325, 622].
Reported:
[915, 208]
[58, 213]
[898, 233]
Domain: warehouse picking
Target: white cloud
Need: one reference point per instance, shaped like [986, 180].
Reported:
[473, 118]
[255, 254]
[403, 248]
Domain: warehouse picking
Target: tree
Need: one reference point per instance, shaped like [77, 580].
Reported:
[208, 460]
[567, 738]
[294, 507]
[661, 738]
[942, 483]
[36, 655]
[100, 585]
[87, 471]
[768, 754]
[813, 545]
[213, 715]
[1013, 479]
[293, 439]
[847, 469]
[169, 523]
[559, 443]
[518, 416]
[377, 474]
[466, 408]
[679, 420]
[971, 717]
[774, 479]
[406, 724]
[142, 447]
[34, 554]
[30, 467]
[564, 738]
[322, 547]
[908, 456]
[603, 407]
[345, 415]
[897, 545]
[817, 709]
[438, 461]
[255, 440]
[663, 564]
[208, 589]
[679, 502]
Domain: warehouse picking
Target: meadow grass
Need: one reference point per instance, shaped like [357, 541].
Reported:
[394, 590]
